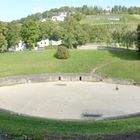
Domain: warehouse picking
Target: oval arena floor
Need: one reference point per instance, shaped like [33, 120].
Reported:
[71, 100]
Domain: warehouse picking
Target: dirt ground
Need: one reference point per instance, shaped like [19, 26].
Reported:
[71, 100]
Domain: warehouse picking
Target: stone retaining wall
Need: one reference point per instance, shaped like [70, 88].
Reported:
[88, 77]
[118, 81]
[12, 80]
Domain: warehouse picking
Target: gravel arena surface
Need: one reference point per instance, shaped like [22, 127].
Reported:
[71, 100]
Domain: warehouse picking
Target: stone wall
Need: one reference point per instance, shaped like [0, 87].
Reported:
[12, 80]
[36, 78]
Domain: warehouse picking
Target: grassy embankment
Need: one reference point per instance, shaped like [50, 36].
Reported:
[38, 127]
[122, 65]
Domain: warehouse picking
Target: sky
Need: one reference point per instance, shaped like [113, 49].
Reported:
[16, 9]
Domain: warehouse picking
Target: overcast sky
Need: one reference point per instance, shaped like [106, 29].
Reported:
[16, 9]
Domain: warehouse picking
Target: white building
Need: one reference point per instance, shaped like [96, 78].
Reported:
[55, 43]
[57, 18]
[60, 17]
[47, 42]
[108, 10]
[43, 43]
[21, 46]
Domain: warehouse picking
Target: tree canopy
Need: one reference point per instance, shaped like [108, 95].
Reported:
[13, 35]
[71, 31]
[30, 33]
[3, 32]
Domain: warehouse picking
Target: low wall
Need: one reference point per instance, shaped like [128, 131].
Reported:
[12, 80]
[36, 78]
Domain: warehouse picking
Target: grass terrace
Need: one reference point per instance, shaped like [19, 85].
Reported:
[113, 20]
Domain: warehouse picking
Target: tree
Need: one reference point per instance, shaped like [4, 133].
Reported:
[30, 33]
[116, 36]
[3, 28]
[62, 53]
[99, 34]
[128, 39]
[138, 38]
[81, 36]
[3, 43]
[69, 40]
[78, 16]
[124, 37]
[3, 32]
[13, 34]
[74, 33]
[45, 29]
[57, 33]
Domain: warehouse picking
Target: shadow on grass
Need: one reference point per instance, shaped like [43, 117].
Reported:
[125, 54]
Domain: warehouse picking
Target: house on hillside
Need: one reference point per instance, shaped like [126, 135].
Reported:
[108, 10]
[60, 17]
[20, 46]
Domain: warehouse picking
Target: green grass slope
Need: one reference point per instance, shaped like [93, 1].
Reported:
[38, 128]
[123, 65]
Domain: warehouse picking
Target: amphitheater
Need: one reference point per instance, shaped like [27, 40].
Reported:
[69, 97]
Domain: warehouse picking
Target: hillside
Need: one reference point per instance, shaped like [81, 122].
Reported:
[124, 13]
[115, 20]
[74, 26]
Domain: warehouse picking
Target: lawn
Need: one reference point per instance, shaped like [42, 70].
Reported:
[122, 65]
[38, 128]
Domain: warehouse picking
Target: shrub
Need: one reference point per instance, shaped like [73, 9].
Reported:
[62, 53]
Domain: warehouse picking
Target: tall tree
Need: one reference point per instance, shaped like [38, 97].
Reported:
[30, 33]
[3, 32]
[138, 38]
[74, 33]
[45, 29]
[13, 34]
[3, 43]
[57, 33]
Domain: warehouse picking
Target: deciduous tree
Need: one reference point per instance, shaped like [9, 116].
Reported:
[13, 35]
[138, 38]
[30, 33]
